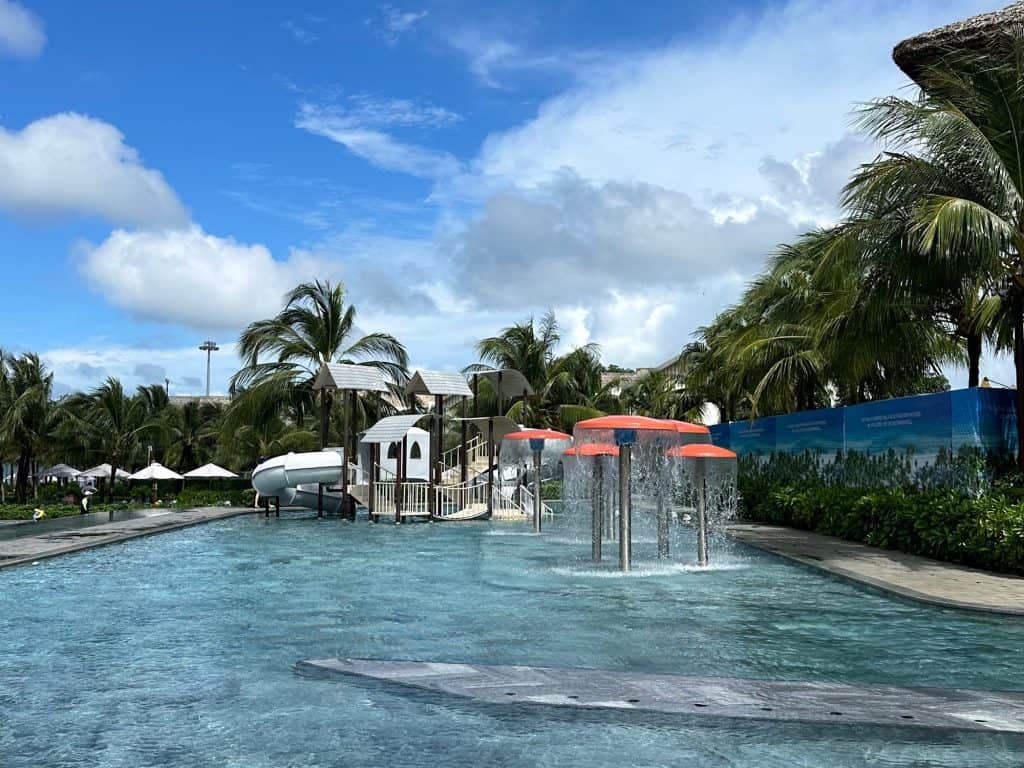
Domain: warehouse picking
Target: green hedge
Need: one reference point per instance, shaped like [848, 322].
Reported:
[986, 532]
[551, 490]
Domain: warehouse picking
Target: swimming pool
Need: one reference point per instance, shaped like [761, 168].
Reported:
[75, 522]
[179, 650]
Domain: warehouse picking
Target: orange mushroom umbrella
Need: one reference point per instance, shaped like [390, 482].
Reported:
[538, 434]
[592, 449]
[537, 438]
[700, 451]
[624, 431]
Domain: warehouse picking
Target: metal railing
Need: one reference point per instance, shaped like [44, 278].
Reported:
[460, 500]
[451, 460]
[526, 504]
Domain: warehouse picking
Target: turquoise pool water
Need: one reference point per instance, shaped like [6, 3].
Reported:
[178, 650]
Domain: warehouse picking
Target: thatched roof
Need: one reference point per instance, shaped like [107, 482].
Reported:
[916, 53]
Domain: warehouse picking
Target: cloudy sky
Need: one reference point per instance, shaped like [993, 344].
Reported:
[169, 170]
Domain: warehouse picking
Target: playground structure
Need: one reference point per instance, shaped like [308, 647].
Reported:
[400, 469]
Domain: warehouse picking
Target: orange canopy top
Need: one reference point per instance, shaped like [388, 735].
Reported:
[686, 428]
[700, 451]
[538, 434]
[592, 449]
[626, 422]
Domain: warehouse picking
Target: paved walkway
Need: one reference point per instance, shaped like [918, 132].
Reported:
[919, 578]
[27, 549]
[820, 702]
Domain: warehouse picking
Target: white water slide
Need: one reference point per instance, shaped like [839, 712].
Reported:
[295, 479]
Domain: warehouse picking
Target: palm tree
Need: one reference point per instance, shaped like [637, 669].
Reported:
[956, 173]
[315, 327]
[192, 431]
[117, 424]
[566, 388]
[28, 414]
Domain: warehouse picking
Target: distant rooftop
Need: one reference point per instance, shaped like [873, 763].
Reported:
[201, 399]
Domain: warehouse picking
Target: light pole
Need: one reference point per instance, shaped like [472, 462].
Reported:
[208, 347]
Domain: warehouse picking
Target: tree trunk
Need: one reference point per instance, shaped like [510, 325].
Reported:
[21, 483]
[973, 359]
[326, 400]
[1018, 362]
[113, 479]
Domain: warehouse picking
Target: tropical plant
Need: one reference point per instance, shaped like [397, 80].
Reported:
[28, 415]
[116, 425]
[566, 387]
[283, 354]
[952, 187]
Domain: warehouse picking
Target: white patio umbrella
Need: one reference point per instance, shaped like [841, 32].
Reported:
[210, 472]
[155, 471]
[59, 472]
[102, 471]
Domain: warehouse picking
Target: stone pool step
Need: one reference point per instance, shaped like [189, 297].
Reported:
[885, 705]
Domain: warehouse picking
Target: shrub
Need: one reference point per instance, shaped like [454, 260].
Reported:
[551, 490]
[985, 532]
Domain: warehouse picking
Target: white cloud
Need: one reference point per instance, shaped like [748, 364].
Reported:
[571, 240]
[188, 277]
[701, 117]
[83, 367]
[301, 34]
[397, 22]
[72, 164]
[376, 147]
[367, 109]
[22, 33]
[485, 54]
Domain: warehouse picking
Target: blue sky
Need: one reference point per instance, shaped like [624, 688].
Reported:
[169, 170]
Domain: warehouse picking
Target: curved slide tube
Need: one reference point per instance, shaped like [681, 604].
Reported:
[294, 479]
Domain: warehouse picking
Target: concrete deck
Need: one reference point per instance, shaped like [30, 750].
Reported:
[919, 578]
[27, 549]
[832, 703]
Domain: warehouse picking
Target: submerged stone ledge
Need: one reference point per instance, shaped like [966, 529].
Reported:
[824, 702]
[919, 578]
[51, 543]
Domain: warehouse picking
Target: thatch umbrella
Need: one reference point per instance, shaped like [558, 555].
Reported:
[914, 55]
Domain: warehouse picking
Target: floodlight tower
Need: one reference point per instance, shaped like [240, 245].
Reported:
[208, 347]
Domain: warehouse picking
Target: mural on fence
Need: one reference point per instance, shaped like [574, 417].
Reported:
[946, 438]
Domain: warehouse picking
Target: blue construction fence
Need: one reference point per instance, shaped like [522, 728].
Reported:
[914, 433]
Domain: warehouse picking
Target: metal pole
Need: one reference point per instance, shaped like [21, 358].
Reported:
[208, 347]
[372, 482]
[319, 499]
[500, 397]
[346, 438]
[464, 470]
[399, 473]
[609, 514]
[536, 491]
[597, 513]
[702, 515]
[490, 467]
[663, 522]
[625, 512]
[437, 438]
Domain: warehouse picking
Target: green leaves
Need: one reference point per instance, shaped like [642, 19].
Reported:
[985, 532]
